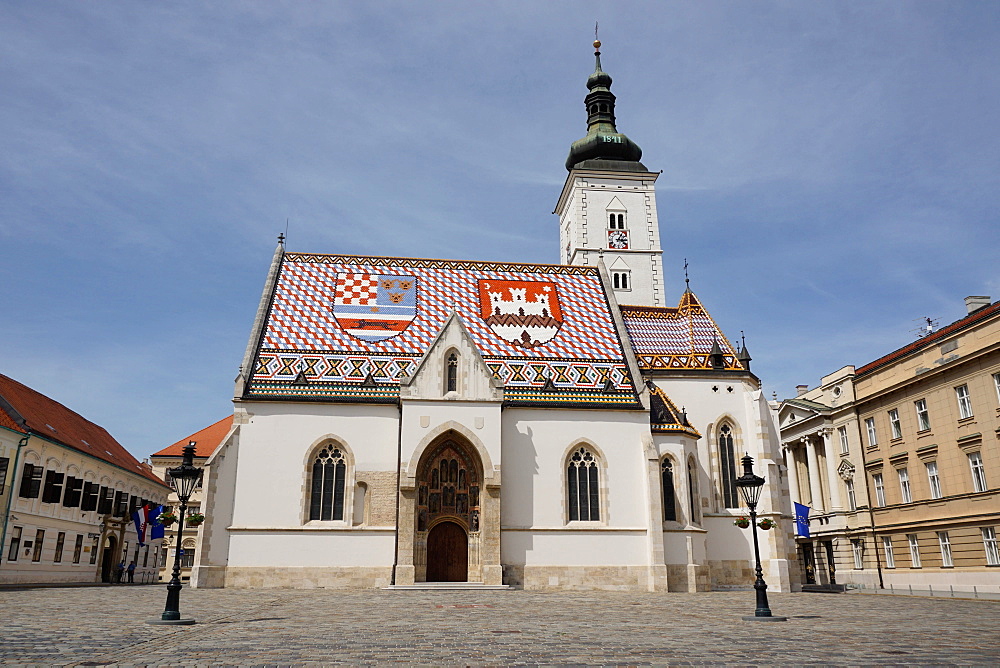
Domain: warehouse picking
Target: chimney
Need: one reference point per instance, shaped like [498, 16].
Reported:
[801, 389]
[974, 303]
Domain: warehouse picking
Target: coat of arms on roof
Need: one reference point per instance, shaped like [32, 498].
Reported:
[375, 307]
[523, 313]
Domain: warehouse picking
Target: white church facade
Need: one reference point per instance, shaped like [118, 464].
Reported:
[402, 421]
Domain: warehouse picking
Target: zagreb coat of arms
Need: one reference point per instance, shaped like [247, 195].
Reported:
[375, 307]
[523, 313]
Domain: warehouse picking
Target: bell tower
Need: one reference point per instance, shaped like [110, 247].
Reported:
[608, 204]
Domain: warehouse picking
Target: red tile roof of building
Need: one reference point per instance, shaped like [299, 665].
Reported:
[33, 412]
[207, 440]
[930, 339]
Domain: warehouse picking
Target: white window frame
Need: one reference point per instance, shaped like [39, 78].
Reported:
[978, 472]
[894, 424]
[904, 485]
[617, 219]
[990, 545]
[852, 500]
[964, 401]
[621, 280]
[858, 550]
[945, 543]
[879, 484]
[996, 383]
[914, 544]
[890, 557]
[845, 446]
[923, 417]
[872, 434]
[934, 480]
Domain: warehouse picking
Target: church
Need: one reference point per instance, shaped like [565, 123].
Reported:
[403, 421]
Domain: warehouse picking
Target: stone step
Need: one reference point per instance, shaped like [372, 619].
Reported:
[449, 586]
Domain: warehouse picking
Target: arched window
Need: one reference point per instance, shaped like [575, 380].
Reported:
[727, 461]
[451, 374]
[667, 480]
[329, 471]
[692, 490]
[583, 486]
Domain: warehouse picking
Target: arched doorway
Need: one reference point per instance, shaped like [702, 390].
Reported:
[108, 559]
[447, 553]
[447, 540]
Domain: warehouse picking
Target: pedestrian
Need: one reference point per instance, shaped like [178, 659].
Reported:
[120, 572]
[131, 572]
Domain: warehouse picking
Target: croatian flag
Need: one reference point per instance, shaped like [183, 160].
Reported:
[139, 518]
[155, 528]
[802, 520]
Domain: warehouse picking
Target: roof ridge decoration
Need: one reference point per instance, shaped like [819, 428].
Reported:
[470, 265]
[919, 344]
[678, 337]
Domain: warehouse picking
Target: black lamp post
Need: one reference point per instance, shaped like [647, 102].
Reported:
[184, 478]
[750, 486]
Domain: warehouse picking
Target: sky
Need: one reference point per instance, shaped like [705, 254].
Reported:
[829, 170]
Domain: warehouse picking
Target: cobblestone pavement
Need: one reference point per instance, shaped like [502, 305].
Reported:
[105, 625]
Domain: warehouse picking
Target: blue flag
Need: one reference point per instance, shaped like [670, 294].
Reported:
[801, 520]
[156, 529]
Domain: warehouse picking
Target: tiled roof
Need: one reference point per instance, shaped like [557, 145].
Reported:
[676, 338]
[664, 416]
[931, 339]
[50, 419]
[206, 440]
[338, 321]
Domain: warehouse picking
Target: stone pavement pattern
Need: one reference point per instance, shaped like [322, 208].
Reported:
[105, 625]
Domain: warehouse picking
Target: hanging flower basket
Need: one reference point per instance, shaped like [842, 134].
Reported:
[741, 522]
[195, 519]
[166, 518]
[766, 524]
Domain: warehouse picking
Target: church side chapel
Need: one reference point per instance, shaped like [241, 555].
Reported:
[402, 421]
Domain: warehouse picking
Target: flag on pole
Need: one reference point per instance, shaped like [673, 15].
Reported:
[155, 528]
[801, 520]
[139, 519]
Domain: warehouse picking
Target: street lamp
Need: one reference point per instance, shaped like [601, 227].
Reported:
[184, 479]
[750, 486]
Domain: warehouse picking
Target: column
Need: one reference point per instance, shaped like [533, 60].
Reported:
[815, 488]
[836, 500]
[793, 475]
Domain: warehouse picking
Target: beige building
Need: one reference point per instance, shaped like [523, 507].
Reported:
[823, 456]
[923, 423]
[206, 441]
[69, 489]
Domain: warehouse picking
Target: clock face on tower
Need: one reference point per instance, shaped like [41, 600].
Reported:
[617, 239]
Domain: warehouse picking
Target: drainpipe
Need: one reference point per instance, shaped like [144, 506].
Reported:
[10, 494]
[399, 467]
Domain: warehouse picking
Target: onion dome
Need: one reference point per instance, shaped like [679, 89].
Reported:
[603, 147]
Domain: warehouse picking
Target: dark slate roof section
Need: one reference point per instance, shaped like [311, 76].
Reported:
[806, 403]
[37, 414]
[664, 416]
[335, 321]
[943, 333]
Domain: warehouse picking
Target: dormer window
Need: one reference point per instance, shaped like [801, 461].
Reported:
[451, 374]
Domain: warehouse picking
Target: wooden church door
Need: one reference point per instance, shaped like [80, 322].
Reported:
[447, 553]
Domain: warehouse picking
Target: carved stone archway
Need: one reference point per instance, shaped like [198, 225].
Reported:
[449, 489]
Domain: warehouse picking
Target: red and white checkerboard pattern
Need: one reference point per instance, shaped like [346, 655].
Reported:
[357, 289]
